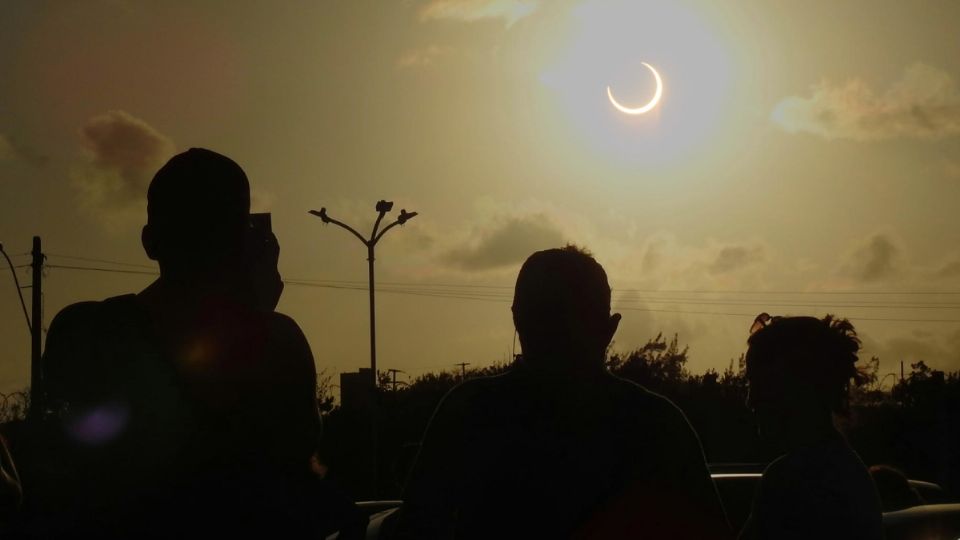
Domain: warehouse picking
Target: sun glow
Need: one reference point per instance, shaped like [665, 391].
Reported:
[600, 62]
[646, 108]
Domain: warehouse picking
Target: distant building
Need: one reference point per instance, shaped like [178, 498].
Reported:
[356, 390]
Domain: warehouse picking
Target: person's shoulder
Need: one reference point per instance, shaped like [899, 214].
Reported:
[644, 400]
[474, 395]
[283, 323]
[77, 313]
[88, 313]
[287, 338]
[477, 387]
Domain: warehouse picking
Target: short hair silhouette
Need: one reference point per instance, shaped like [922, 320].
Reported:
[558, 435]
[561, 302]
[198, 206]
[821, 353]
[799, 371]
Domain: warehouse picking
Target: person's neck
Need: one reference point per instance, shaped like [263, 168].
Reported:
[810, 432]
[562, 364]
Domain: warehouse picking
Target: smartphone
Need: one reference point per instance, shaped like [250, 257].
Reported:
[263, 253]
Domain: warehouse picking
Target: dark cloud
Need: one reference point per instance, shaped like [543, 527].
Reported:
[924, 104]
[876, 260]
[12, 149]
[652, 257]
[732, 258]
[124, 153]
[949, 270]
[509, 243]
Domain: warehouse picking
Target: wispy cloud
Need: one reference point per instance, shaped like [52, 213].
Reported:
[732, 258]
[951, 168]
[13, 150]
[422, 57]
[123, 152]
[923, 104]
[475, 10]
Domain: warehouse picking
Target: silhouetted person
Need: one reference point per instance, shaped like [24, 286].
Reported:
[894, 488]
[558, 447]
[799, 371]
[10, 491]
[188, 409]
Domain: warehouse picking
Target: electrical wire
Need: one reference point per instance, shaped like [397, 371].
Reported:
[99, 269]
[502, 297]
[107, 261]
[624, 308]
[16, 282]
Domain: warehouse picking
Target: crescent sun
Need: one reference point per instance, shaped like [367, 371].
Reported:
[650, 105]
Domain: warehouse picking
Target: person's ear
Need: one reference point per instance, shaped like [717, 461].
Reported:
[612, 325]
[149, 241]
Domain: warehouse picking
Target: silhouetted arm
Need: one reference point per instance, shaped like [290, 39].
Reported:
[67, 355]
[699, 490]
[432, 495]
[10, 491]
[298, 417]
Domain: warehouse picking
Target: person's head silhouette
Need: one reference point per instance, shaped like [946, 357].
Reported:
[799, 370]
[198, 210]
[561, 309]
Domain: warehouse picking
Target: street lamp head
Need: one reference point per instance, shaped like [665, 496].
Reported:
[405, 216]
[322, 214]
[384, 206]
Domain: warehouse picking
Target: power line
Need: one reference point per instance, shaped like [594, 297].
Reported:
[625, 308]
[510, 287]
[502, 298]
[865, 304]
[652, 291]
[107, 261]
[99, 269]
[16, 282]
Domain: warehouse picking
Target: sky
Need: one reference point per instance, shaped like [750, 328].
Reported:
[804, 159]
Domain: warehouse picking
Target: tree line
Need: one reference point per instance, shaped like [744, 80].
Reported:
[913, 425]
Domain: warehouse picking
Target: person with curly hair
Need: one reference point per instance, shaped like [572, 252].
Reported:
[799, 371]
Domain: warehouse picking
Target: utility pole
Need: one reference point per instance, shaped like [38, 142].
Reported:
[36, 331]
[375, 235]
[393, 373]
[463, 369]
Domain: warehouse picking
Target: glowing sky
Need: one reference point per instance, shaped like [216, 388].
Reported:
[799, 147]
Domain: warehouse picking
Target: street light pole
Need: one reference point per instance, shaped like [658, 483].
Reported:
[383, 207]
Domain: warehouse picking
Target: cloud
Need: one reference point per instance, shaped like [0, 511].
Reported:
[123, 154]
[474, 10]
[6, 148]
[876, 260]
[423, 57]
[508, 243]
[949, 270]
[12, 150]
[731, 258]
[939, 350]
[951, 169]
[923, 104]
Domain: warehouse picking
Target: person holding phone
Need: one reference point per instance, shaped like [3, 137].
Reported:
[189, 408]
